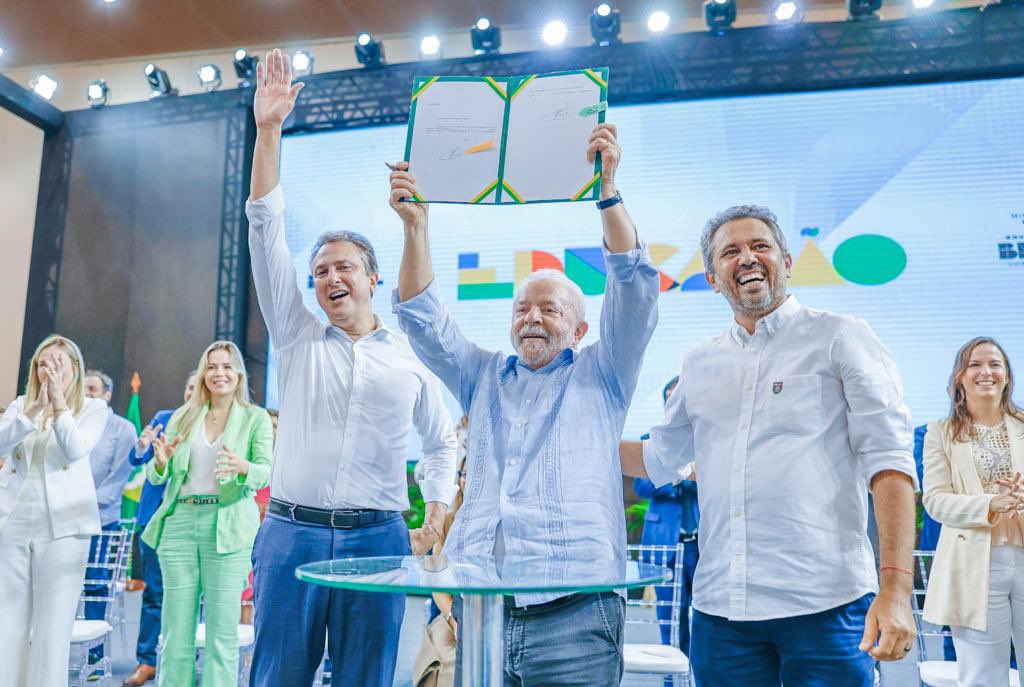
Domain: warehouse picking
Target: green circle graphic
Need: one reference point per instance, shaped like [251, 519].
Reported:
[869, 259]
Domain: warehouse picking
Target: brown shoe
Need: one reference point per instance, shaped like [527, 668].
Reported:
[140, 676]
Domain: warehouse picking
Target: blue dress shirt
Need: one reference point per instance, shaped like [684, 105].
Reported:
[543, 456]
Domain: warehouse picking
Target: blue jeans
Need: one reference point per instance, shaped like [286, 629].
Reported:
[575, 640]
[816, 650]
[152, 603]
[292, 617]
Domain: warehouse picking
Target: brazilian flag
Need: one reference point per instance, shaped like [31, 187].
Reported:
[133, 489]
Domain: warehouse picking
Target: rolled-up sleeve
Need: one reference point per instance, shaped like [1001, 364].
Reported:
[439, 443]
[273, 272]
[628, 316]
[879, 421]
[670, 448]
[438, 342]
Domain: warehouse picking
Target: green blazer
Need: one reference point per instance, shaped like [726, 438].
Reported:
[250, 434]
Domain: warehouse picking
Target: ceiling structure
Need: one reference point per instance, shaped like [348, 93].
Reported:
[51, 32]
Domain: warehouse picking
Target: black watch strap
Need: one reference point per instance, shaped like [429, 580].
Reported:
[614, 200]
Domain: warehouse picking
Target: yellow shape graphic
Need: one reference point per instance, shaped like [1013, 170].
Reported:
[660, 252]
[479, 275]
[524, 264]
[695, 266]
[812, 268]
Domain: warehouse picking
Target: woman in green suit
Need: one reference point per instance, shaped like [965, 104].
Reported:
[214, 456]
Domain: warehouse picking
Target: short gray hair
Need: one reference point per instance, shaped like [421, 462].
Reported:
[576, 301]
[105, 380]
[758, 212]
[353, 237]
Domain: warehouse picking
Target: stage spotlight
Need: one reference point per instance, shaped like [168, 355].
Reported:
[98, 93]
[43, 86]
[719, 14]
[209, 77]
[605, 25]
[302, 63]
[554, 32]
[863, 9]
[658, 21]
[485, 36]
[1, 51]
[923, 4]
[158, 81]
[786, 11]
[430, 47]
[245, 67]
[369, 51]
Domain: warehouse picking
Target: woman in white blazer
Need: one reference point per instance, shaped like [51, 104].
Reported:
[48, 512]
[972, 485]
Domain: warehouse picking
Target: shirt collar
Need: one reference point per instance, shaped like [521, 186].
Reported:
[566, 357]
[770, 323]
[379, 330]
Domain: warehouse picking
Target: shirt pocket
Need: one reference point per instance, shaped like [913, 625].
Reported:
[793, 405]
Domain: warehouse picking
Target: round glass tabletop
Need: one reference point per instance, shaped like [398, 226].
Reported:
[479, 574]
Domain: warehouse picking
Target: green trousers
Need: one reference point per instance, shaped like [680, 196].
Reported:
[192, 567]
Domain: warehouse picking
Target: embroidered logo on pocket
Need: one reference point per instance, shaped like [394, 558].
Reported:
[777, 387]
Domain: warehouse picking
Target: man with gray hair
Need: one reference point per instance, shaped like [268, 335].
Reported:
[791, 415]
[543, 477]
[351, 392]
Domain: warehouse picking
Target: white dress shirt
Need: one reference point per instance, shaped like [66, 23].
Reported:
[347, 407]
[787, 427]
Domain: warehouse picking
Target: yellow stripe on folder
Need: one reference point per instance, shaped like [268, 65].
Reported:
[497, 87]
[512, 192]
[486, 192]
[586, 189]
[596, 78]
[522, 85]
[416, 93]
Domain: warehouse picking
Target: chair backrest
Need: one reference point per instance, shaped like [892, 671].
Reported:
[670, 556]
[922, 570]
[107, 569]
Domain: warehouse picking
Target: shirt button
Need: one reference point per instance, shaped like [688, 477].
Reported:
[743, 426]
[529, 401]
[14, 470]
[738, 467]
[518, 425]
[64, 468]
[736, 513]
[513, 462]
[750, 387]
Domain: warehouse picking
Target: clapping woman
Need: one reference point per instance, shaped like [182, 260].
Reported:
[214, 456]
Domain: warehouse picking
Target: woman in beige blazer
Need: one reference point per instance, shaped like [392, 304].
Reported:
[972, 485]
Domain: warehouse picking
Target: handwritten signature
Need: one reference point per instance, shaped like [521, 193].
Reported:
[453, 154]
[556, 116]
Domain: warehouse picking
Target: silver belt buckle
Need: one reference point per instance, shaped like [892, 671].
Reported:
[333, 525]
[291, 512]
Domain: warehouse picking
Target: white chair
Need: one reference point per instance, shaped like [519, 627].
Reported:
[661, 659]
[246, 640]
[933, 673]
[104, 583]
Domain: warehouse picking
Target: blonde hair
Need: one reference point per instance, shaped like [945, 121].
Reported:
[74, 394]
[185, 417]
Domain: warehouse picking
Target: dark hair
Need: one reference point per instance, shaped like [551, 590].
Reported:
[961, 424]
[353, 237]
[758, 212]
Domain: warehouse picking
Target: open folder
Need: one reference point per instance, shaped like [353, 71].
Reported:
[497, 140]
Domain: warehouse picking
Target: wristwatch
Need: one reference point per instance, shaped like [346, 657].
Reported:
[614, 200]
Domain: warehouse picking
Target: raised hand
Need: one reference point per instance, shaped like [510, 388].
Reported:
[146, 438]
[403, 185]
[604, 139]
[55, 385]
[229, 464]
[275, 92]
[163, 450]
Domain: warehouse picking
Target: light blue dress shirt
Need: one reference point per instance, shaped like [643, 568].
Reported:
[110, 467]
[543, 456]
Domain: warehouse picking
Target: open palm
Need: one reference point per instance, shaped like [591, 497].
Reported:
[275, 92]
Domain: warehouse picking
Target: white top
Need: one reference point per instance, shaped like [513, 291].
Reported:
[347, 407]
[202, 465]
[787, 428]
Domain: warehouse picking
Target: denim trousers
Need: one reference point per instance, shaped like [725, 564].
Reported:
[572, 641]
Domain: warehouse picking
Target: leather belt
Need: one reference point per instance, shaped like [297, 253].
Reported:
[343, 519]
[199, 500]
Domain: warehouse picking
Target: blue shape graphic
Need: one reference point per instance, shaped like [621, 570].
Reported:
[592, 256]
[469, 261]
[696, 282]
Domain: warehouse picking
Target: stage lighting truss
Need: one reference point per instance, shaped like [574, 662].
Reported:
[245, 67]
[786, 12]
[485, 36]
[209, 77]
[605, 25]
[98, 93]
[430, 48]
[658, 21]
[159, 83]
[369, 51]
[719, 14]
[861, 10]
[554, 33]
[302, 63]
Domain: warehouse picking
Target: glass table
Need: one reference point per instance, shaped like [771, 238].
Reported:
[482, 584]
